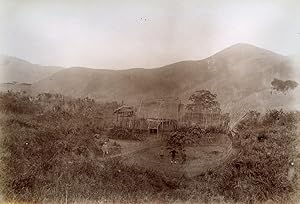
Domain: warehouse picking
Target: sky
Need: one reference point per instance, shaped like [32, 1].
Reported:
[142, 34]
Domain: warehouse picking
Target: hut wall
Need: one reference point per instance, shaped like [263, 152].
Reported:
[126, 122]
[204, 120]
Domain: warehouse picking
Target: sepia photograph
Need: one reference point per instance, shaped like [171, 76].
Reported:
[149, 101]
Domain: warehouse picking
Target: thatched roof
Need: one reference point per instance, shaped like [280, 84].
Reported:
[123, 109]
[160, 109]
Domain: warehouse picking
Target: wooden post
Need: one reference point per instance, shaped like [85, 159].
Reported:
[157, 130]
[162, 127]
[66, 195]
[140, 108]
[205, 122]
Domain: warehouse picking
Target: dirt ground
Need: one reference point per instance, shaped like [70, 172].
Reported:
[200, 158]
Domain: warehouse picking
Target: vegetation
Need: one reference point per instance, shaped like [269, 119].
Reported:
[259, 171]
[43, 137]
[49, 152]
[203, 100]
[266, 149]
[283, 86]
[193, 136]
[126, 133]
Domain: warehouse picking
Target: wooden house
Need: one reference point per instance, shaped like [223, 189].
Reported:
[159, 115]
[125, 116]
[167, 114]
[205, 118]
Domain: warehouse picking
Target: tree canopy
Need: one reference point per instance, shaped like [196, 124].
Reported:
[283, 86]
[203, 100]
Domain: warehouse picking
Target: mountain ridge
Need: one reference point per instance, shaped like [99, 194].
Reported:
[237, 72]
[16, 69]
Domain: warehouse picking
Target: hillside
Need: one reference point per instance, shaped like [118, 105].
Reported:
[14, 69]
[238, 72]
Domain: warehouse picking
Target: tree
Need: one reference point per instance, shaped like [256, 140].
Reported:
[283, 86]
[203, 100]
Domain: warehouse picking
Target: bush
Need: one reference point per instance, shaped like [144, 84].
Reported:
[126, 133]
[187, 136]
[267, 146]
[17, 103]
[42, 140]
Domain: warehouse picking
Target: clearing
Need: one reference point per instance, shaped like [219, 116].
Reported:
[200, 158]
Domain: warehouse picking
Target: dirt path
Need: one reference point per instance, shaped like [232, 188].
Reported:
[129, 147]
[199, 159]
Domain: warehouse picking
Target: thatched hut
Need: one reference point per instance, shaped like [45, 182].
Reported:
[159, 115]
[124, 116]
[205, 118]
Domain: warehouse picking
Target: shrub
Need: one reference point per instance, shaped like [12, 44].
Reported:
[259, 172]
[193, 135]
[17, 103]
[41, 143]
[126, 133]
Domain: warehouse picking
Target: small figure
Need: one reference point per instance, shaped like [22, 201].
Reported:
[97, 136]
[183, 156]
[291, 172]
[173, 156]
[161, 152]
[105, 148]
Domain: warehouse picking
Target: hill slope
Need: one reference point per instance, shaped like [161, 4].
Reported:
[233, 74]
[14, 69]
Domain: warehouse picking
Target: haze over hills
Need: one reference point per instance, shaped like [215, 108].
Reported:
[233, 74]
[15, 69]
[240, 75]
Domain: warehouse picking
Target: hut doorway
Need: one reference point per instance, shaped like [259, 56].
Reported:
[153, 131]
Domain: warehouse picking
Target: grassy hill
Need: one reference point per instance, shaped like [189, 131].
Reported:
[238, 72]
[14, 69]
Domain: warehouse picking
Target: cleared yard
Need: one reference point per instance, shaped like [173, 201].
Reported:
[200, 158]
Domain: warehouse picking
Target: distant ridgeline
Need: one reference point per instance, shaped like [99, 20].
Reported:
[16, 86]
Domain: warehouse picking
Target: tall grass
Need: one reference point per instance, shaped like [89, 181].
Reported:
[49, 154]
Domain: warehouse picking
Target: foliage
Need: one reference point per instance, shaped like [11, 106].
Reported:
[17, 103]
[267, 146]
[43, 138]
[126, 133]
[250, 119]
[283, 86]
[192, 136]
[203, 100]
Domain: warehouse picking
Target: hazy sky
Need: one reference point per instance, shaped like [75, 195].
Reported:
[128, 34]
